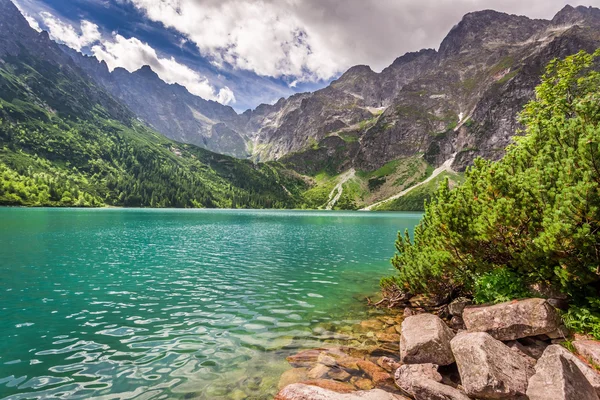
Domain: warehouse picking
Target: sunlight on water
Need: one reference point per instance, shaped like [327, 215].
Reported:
[153, 304]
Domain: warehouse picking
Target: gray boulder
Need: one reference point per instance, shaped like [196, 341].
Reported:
[425, 339]
[513, 320]
[489, 369]
[592, 376]
[558, 377]
[299, 391]
[422, 381]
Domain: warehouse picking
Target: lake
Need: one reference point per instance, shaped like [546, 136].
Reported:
[157, 304]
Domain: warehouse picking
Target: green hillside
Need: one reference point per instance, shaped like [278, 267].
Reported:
[64, 142]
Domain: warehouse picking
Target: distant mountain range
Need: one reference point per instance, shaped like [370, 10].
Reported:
[66, 141]
[462, 99]
[365, 138]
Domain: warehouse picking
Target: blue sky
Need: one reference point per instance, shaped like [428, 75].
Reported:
[247, 52]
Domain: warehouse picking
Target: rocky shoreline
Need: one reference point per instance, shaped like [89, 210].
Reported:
[458, 351]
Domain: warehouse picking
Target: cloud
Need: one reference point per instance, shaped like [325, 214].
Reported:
[66, 33]
[32, 22]
[132, 54]
[316, 39]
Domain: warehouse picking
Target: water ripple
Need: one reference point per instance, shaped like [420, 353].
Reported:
[156, 304]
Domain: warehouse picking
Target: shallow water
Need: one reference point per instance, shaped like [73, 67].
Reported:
[153, 304]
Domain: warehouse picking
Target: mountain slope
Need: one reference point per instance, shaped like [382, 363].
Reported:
[169, 108]
[462, 99]
[65, 141]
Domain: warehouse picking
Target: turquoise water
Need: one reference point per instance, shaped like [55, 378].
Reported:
[157, 304]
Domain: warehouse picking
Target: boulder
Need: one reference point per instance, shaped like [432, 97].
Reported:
[489, 369]
[558, 377]
[425, 339]
[457, 306]
[589, 349]
[513, 320]
[590, 374]
[423, 382]
[307, 392]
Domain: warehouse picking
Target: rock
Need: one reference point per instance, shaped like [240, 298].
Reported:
[238, 395]
[532, 347]
[318, 371]
[349, 363]
[387, 337]
[307, 392]
[339, 374]
[294, 375]
[425, 339]
[373, 371]
[456, 307]
[387, 363]
[558, 377]
[512, 320]
[306, 358]
[363, 383]
[326, 359]
[423, 382]
[591, 375]
[589, 349]
[372, 325]
[489, 369]
[340, 387]
[456, 323]
[562, 332]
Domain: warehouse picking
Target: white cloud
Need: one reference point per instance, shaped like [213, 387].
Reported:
[316, 39]
[132, 54]
[32, 22]
[66, 33]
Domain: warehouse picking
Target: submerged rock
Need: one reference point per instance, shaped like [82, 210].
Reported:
[489, 369]
[307, 392]
[425, 339]
[293, 375]
[513, 320]
[558, 377]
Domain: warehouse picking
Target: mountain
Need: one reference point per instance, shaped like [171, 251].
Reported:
[169, 108]
[461, 100]
[65, 141]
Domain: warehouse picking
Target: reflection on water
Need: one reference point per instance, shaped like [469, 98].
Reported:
[153, 304]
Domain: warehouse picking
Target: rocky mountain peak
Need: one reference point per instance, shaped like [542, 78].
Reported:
[147, 72]
[569, 15]
[488, 27]
[412, 56]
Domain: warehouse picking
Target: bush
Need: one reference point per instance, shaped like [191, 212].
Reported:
[533, 216]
